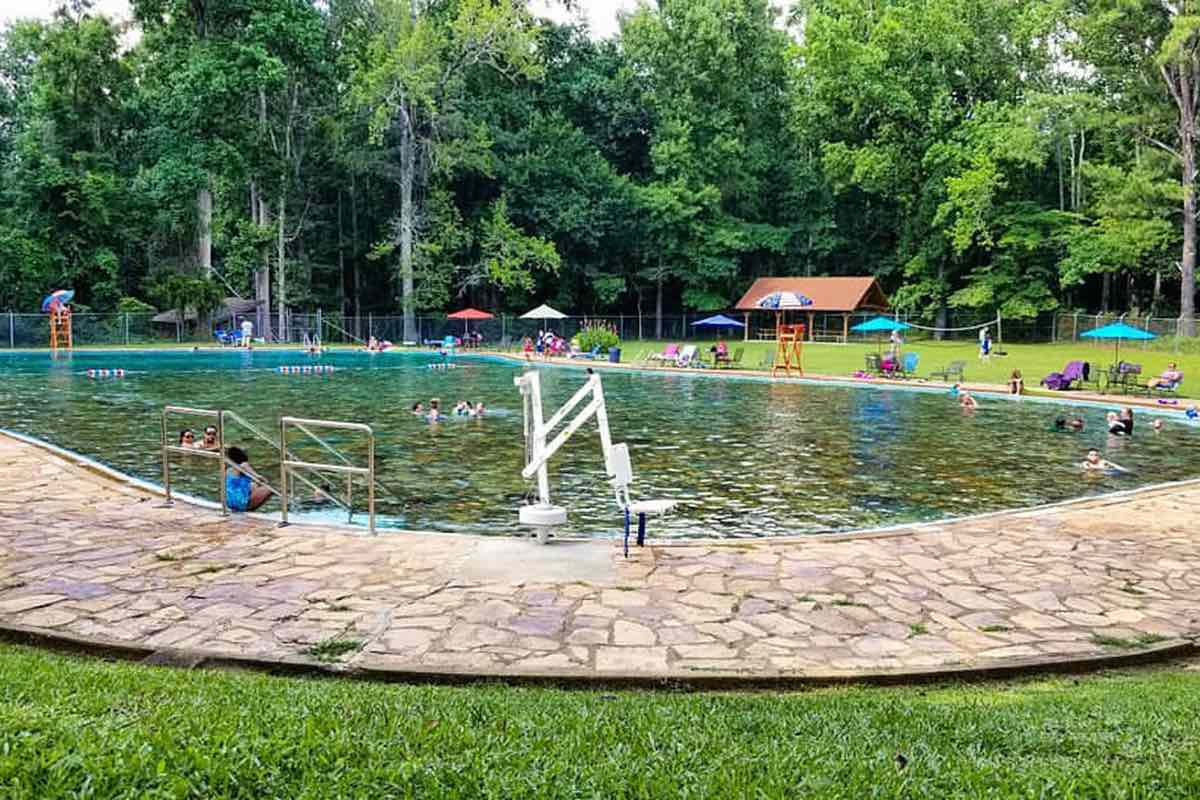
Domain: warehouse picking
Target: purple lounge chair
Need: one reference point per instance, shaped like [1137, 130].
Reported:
[1074, 371]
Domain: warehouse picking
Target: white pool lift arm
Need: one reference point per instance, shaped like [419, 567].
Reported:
[544, 516]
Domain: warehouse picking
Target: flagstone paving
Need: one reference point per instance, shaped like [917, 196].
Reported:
[83, 555]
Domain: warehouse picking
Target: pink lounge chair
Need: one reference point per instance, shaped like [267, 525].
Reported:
[669, 354]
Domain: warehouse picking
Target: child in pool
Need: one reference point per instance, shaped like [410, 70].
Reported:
[478, 410]
[1093, 462]
[435, 410]
[965, 401]
[418, 410]
[1115, 426]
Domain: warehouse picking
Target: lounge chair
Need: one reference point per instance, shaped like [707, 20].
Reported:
[733, 360]
[688, 357]
[669, 353]
[592, 354]
[1073, 372]
[908, 365]
[1167, 388]
[226, 338]
[953, 372]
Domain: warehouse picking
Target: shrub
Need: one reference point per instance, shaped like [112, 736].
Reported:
[597, 334]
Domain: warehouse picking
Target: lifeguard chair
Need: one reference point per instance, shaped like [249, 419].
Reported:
[789, 348]
[60, 320]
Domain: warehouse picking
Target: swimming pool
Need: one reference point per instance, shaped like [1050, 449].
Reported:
[747, 457]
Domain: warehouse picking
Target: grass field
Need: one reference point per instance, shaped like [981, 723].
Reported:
[1034, 361]
[73, 728]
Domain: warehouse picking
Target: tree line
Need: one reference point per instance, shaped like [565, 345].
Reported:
[410, 156]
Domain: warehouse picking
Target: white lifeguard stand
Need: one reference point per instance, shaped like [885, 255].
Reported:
[543, 516]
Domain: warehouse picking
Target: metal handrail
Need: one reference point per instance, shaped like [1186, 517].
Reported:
[287, 464]
[218, 454]
[346, 506]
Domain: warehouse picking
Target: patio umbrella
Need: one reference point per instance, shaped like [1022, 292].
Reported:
[1118, 331]
[719, 321]
[880, 325]
[59, 297]
[468, 314]
[544, 312]
[781, 301]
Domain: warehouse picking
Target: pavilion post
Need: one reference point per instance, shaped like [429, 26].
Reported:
[845, 328]
[811, 317]
[746, 327]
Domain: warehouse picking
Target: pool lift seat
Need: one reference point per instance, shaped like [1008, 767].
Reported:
[543, 516]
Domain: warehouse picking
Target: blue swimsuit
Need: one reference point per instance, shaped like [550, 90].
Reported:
[237, 491]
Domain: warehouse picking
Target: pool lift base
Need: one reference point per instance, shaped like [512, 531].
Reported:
[543, 516]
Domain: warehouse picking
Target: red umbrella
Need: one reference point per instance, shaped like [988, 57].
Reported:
[469, 314]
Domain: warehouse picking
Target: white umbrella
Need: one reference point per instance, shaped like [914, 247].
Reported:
[544, 312]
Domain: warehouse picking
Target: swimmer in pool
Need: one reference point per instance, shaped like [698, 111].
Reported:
[478, 410]
[965, 401]
[1157, 425]
[209, 442]
[1095, 463]
[187, 438]
[462, 408]
[418, 409]
[1071, 425]
[1115, 426]
[241, 493]
[435, 410]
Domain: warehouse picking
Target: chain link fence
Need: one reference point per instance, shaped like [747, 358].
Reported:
[118, 329]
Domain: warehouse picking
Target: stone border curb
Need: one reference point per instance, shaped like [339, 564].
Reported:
[305, 667]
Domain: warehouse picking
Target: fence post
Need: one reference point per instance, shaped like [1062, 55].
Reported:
[11, 332]
[370, 324]
[127, 329]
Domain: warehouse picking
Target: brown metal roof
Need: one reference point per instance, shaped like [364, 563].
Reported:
[827, 294]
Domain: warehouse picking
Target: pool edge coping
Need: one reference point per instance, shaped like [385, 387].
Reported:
[301, 667]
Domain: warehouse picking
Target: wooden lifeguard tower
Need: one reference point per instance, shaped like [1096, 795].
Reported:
[789, 348]
[60, 328]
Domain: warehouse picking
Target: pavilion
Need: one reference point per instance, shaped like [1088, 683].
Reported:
[830, 296]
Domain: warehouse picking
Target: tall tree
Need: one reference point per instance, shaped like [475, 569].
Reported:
[1147, 53]
[414, 87]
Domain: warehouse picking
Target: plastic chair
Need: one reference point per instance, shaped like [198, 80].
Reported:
[621, 468]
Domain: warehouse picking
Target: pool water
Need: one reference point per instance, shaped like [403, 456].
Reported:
[746, 457]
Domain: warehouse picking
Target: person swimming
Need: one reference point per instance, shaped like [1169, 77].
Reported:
[1093, 462]
[187, 438]
[1115, 426]
[966, 402]
[418, 409]
[435, 410]
[462, 408]
[1068, 425]
[478, 410]
[1126, 418]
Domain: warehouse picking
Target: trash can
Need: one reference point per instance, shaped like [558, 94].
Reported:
[614, 355]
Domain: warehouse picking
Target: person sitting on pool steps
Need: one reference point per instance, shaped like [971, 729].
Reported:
[241, 493]
[187, 438]
[209, 442]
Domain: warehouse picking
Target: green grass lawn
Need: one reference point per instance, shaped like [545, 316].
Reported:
[77, 728]
[1034, 361]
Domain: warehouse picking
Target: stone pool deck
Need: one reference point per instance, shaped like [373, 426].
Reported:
[87, 558]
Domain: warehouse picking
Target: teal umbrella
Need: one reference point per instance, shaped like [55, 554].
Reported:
[880, 325]
[1118, 331]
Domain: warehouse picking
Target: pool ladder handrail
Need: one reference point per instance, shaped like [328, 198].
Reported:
[290, 466]
[348, 504]
[347, 467]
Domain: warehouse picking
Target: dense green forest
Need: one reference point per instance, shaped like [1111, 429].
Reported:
[416, 155]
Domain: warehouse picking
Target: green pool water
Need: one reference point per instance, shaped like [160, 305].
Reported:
[747, 458]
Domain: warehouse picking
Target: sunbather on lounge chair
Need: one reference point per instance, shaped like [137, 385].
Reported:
[1170, 379]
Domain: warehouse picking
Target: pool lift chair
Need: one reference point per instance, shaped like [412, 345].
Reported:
[543, 516]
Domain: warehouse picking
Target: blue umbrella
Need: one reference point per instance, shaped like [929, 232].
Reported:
[60, 297]
[779, 301]
[1118, 331]
[719, 321]
[880, 325]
